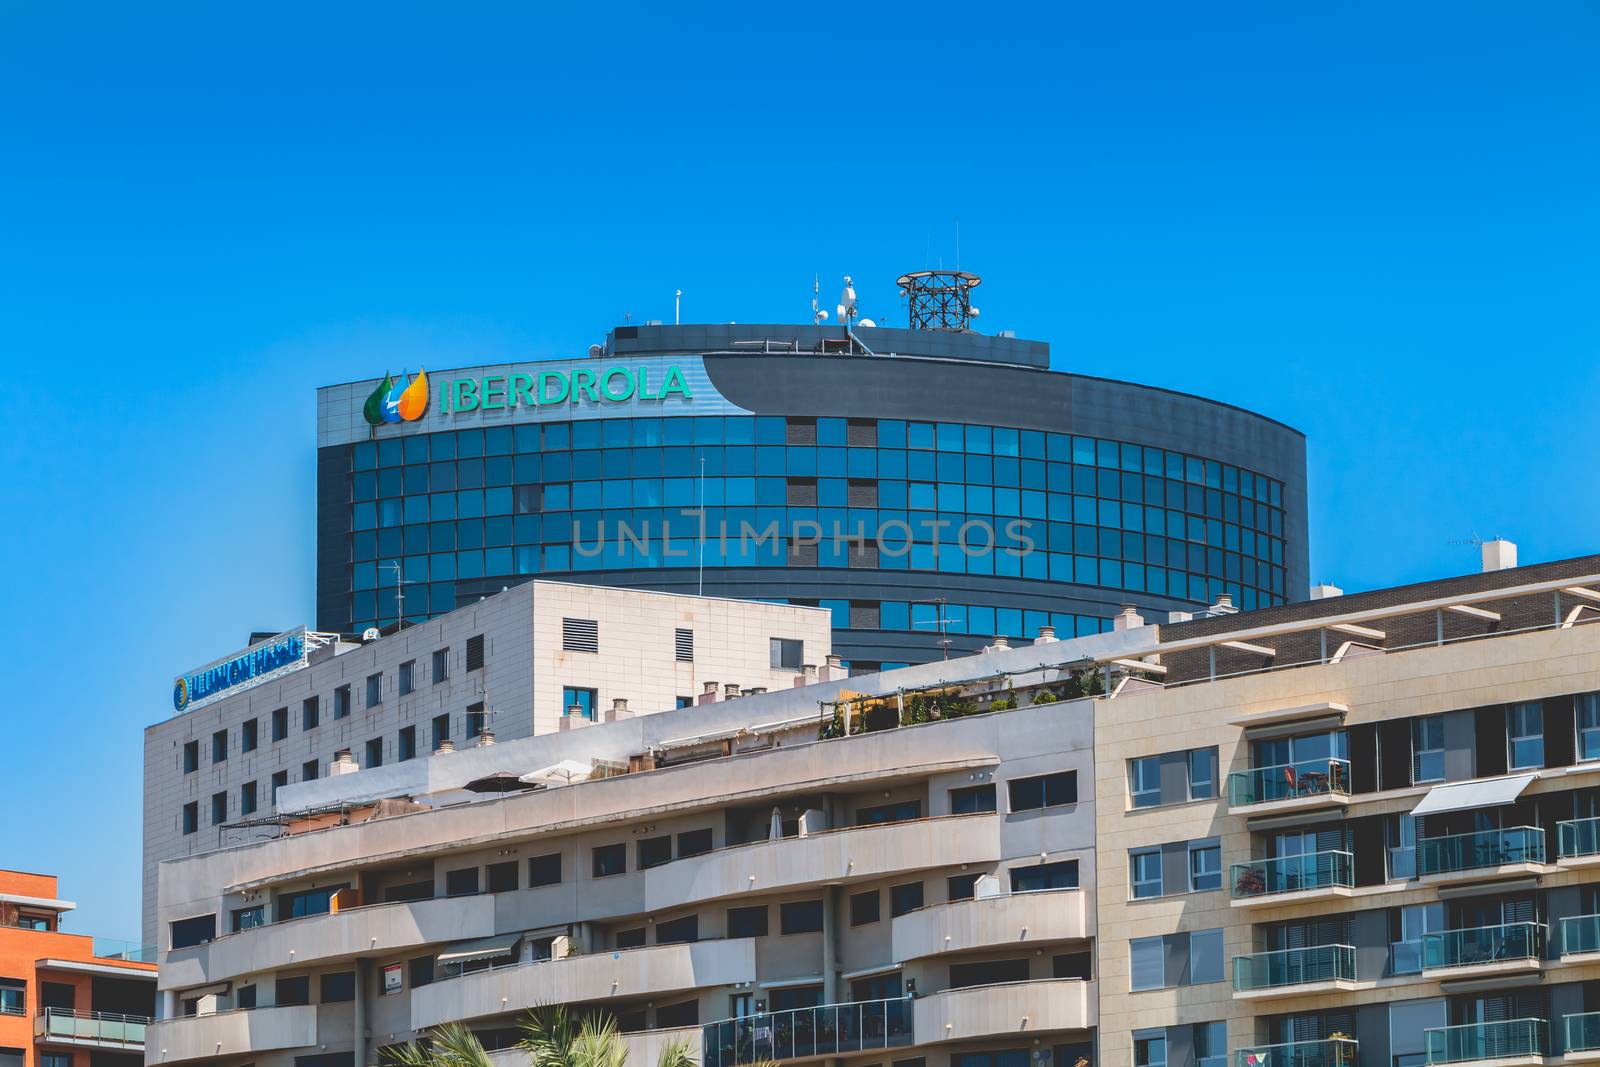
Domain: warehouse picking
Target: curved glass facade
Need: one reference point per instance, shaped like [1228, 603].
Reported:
[568, 499]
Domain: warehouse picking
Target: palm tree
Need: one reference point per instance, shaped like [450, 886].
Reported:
[451, 1045]
[553, 1038]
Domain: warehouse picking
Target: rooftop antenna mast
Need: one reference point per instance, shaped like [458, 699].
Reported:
[677, 305]
[400, 583]
[940, 619]
[819, 315]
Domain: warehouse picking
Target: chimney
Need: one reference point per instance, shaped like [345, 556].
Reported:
[708, 693]
[730, 691]
[755, 690]
[445, 746]
[1325, 591]
[619, 707]
[343, 763]
[808, 671]
[1499, 555]
[832, 667]
[1047, 636]
[1179, 616]
[486, 738]
[1224, 605]
[1000, 644]
[1127, 619]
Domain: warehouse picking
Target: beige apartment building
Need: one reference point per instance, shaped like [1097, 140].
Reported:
[1358, 831]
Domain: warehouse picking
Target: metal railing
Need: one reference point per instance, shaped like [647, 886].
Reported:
[1294, 966]
[1329, 1052]
[1485, 1041]
[7, 1008]
[1286, 781]
[1482, 944]
[1290, 874]
[1485, 848]
[1582, 1031]
[1578, 837]
[105, 1026]
[110, 948]
[1580, 933]
[802, 1033]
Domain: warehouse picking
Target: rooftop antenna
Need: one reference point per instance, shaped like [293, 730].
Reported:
[400, 583]
[939, 299]
[944, 641]
[677, 301]
[819, 315]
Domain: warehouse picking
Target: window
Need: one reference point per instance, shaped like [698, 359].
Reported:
[1144, 781]
[374, 689]
[1202, 773]
[408, 677]
[441, 730]
[1147, 967]
[1149, 954]
[191, 817]
[678, 931]
[279, 780]
[502, 877]
[310, 713]
[406, 747]
[1150, 1048]
[55, 1059]
[1205, 957]
[339, 987]
[219, 747]
[419, 971]
[961, 886]
[972, 799]
[246, 998]
[682, 1014]
[219, 808]
[317, 901]
[462, 882]
[191, 757]
[441, 665]
[475, 653]
[1210, 1044]
[800, 917]
[1063, 874]
[1043, 791]
[375, 752]
[1205, 865]
[1427, 748]
[864, 908]
[654, 851]
[904, 898]
[610, 859]
[476, 720]
[1588, 714]
[785, 653]
[1145, 872]
[247, 735]
[684, 702]
[247, 799]
[683, 645]
[544, 870]
[341, 702]
[747, 922]
[1525, 734]
[630, 938]
[578, 702]
[897, 812]
[249, 918]
[294, 992]
[694, 843]
[308, 771]
[1079, 965]
[280, 724]
[991, 972]
[196, 931]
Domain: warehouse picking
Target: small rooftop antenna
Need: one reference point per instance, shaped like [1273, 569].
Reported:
[819, 315]
[400, 583]
[944, 641]
[677, 302]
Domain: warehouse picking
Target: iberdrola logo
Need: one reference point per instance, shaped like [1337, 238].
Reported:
[398, 402]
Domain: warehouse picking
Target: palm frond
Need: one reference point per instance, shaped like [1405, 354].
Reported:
[451, 1045]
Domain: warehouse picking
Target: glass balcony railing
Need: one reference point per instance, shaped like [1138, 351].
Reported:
[1332, 1052]
[65, 1024]
[1485, 1041]
[1580, 933]
[802, 1033]
[109, 948]
[1402, 863]
[1294, 966]
[1482, 944]
[1582, 1031]
[1405, 957]
[1286, 781]
[1578, 837]
[1486, 848]
[1290, 874]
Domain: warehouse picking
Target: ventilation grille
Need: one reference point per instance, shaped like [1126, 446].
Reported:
[685, 646]
[475, 653]
[580, 635]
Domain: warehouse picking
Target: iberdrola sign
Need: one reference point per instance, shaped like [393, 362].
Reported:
[548, 388]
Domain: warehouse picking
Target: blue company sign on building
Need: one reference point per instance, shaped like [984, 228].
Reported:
[240, 671]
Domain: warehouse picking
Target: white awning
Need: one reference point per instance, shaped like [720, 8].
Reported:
[482, 949]
[1461, 796]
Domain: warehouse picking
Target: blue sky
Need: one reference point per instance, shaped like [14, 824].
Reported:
[1379, 223]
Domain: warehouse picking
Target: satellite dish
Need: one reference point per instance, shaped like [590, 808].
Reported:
[868, 322]
[371, 633]
[822, 315]
[596, 351]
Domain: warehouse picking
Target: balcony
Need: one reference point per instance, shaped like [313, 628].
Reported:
[1578, 839]
[808, 1033]
[1013, 919]
[89, 1029]
[107, 948]
[1582, 1033]
[1332, 1052]
[1011, 1010]
[343, 934]
[1289, 879]
[230, 1033]
[1516, 850]
[1294, 971]
[1512, 1039]
[1285, 787]
[849, 853]
[636, 972]
[1484, 949]
[1580, 935]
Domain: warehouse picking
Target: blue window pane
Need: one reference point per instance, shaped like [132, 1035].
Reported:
[891, 433]
[979, 440]
[1006, 442]
[952, 497]
[830, 431]
[416, 509]
[919, 435]
[980, 620]
[893, 614]
[363, 516]
[469, 564]
[497, 441]
[469, 504]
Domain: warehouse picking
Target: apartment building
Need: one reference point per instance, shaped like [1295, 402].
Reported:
[539, 658]
[66, 1000]
[1359, 831]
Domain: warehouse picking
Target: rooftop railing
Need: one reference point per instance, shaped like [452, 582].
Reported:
[1485, 848]
[1507, 1039]
[1289, 781]
[803, 1033]
[1293, 874]
[110, 948]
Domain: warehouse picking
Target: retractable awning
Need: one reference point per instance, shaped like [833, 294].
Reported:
[482, 949]
[1461, 796]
